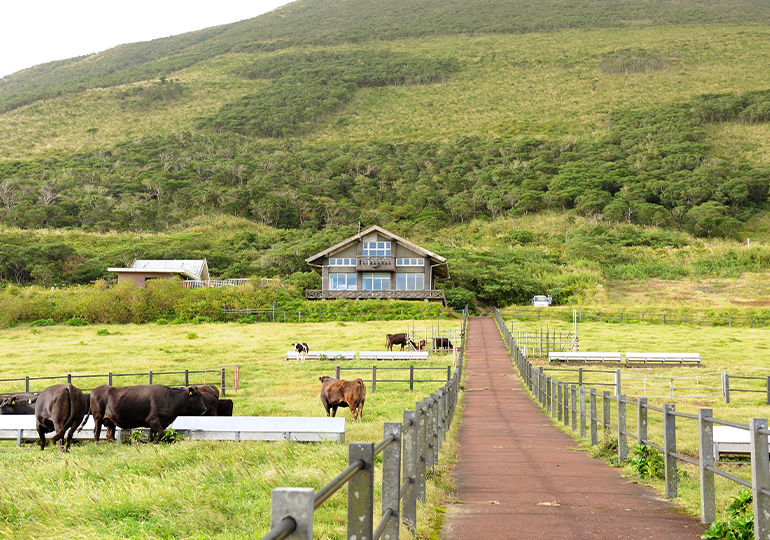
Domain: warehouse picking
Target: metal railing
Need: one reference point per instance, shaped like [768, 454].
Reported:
[408, 450]
[411, 380]
[210, 376]
[567, 403]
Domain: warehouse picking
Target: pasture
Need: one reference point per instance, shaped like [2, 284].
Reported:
[195, 489]
[738, 351]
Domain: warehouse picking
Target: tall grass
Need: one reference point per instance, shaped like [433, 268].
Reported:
[192, 489]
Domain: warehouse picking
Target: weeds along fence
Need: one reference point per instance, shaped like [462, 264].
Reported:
[326, 315]
[225, 378]
[375, 371]
[409, 449]
[557, 314]
[577, 407]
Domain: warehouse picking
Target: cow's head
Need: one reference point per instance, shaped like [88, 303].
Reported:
[195, 400]
[325, 378]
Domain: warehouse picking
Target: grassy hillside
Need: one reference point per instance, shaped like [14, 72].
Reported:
[635, 131]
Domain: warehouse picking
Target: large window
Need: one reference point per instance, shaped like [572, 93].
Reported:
[376, 282]
[376, 248]
[342, 282]
[410, 282]
[414, 261]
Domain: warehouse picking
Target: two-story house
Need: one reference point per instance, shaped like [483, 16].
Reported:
[376, 263]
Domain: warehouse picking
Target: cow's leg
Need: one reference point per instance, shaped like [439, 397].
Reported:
[334, 410]
[41, 433]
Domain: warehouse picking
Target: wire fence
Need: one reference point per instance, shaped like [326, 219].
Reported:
[564, 315]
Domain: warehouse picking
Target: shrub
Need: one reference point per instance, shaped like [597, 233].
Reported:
[43, 322]
[75, 321]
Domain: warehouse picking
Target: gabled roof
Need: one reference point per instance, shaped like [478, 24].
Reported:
[191, 269]
[441, 261]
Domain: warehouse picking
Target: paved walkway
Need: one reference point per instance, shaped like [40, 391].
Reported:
[519, 476]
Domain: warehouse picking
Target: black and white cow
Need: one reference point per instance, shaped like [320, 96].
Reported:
[302, 350]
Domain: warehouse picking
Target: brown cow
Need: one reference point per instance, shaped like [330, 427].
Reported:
[154, 406]
[60, 408]
[338, 393]
[398, 339]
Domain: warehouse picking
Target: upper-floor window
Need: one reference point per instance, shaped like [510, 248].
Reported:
[376, 248]
[342, 262]
[414, 261]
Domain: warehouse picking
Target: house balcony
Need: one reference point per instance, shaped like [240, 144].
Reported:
[433, 296]
[379, 263]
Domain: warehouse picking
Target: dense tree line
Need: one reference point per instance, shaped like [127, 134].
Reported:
[653, 168]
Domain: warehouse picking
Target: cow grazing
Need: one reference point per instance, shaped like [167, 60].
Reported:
[154, 406]
[18, 404]
[442, 343]
[338, 393]
[210, 399]
[421, 346]
[225, 407]
[398, 339]
[302, 350]
[61, 408]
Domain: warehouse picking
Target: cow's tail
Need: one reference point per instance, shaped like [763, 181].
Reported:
[85, 416]
[68, 423]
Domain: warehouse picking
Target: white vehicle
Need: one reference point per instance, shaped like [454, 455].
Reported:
[541, 301]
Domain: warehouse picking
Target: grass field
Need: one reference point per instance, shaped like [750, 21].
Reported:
[737, 351]
[195, 489]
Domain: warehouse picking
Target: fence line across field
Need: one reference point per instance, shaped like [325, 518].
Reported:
[411, 380]
[219, 375]
[409, 449]
[553, 313]
[566, 403]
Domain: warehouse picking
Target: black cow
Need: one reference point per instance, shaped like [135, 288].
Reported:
[225, 407]
[18, 404]
[302, 350]
[442, 343]
[398, 339]
[338, 393]
[210, 399]
[60, 408]
[154, 406]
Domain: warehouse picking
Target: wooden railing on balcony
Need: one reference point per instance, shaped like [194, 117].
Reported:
[376, 262]
[434, 295]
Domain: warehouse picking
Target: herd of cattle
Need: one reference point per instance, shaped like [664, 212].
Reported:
[402, 339]
[64, 408]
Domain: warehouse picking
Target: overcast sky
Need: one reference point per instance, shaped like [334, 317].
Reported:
[37, 31]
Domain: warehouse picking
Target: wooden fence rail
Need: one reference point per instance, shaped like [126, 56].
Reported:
[211, 376]
[408, 450]
[567, 403]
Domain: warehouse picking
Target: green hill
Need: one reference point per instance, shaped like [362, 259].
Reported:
[422, 117]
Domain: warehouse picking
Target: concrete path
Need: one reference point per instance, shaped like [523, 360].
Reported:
[520, 476]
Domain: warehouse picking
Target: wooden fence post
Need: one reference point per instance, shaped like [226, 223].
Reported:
[296, 505]
[669, 446]
[582, 399]
[559, 401]
[708, 512]
[391, 479]
[622, 437]
[760, 477]
[361, 492]
[641, 420]
[410, 458]
[573, 406]
[422, 429]
[374, 379]
[606, 413]
[594, 418]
